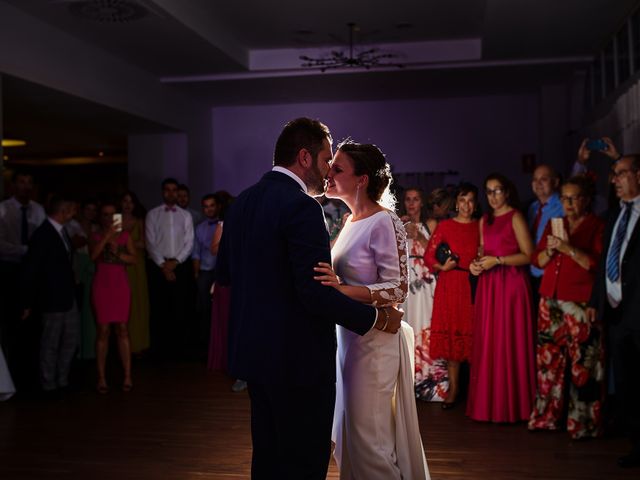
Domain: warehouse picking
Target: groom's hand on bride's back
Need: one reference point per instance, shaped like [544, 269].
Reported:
[389, 319]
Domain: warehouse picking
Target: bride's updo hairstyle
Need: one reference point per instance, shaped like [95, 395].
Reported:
[369, 160]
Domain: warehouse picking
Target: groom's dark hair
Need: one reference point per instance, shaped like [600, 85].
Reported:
[296, 135]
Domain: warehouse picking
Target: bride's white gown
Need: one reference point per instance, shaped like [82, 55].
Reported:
[6, 384]
[376, 423]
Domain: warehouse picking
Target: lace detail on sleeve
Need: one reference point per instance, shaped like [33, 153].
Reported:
[392, 266]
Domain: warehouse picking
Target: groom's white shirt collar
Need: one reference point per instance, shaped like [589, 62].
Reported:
[289, 173]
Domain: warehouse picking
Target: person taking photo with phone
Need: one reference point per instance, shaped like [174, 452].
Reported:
[112, 249]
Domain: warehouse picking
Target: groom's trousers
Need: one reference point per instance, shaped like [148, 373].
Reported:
[291, 431]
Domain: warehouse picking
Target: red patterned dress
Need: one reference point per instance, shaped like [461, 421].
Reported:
[452, 320]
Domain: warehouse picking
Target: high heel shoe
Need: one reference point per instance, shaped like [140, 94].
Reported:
[448, 405]
[102, 388]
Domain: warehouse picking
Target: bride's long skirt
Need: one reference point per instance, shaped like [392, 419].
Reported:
[376, 423]
[6, 384]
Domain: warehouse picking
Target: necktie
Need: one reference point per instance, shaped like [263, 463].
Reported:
[536, 221]
[212, 222]
[613, 257]
[24, 225]
[67, 241]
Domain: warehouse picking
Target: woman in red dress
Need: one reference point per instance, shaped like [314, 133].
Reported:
[452, 320]
[112, 250]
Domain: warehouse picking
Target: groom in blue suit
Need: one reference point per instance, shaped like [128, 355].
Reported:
[282, 321]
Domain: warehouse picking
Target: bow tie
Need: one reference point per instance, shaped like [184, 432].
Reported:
[169, 209]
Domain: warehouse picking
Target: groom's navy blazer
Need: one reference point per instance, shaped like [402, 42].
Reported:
[282, 321]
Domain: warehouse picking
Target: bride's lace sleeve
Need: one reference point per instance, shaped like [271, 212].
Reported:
[389, 246]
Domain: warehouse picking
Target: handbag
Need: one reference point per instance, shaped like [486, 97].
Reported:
[444, 253]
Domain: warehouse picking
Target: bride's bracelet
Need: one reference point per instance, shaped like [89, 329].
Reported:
[386, 319]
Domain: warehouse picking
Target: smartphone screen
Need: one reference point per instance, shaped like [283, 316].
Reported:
[557, 228]
[117, 221]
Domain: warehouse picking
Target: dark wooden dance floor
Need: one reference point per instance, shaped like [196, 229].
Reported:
[182, 422]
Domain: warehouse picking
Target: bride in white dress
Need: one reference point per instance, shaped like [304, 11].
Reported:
[375, 422]
[6, 384]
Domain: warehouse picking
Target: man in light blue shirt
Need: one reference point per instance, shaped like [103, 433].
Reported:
[545, 184]
[204, 264]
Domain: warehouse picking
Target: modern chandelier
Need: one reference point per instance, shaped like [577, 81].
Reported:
[338, 59]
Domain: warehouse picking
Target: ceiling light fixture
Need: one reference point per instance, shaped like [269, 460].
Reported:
[338, 59]
[108, 11]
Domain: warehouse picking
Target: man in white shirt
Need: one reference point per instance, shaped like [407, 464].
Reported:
[19, 218]
[169, 236]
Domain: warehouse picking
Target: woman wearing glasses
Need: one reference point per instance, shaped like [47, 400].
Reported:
[502, 384]
[569, 252]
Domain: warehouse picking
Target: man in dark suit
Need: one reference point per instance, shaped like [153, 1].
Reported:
[616, 297]
[282, 321]
[48, 285]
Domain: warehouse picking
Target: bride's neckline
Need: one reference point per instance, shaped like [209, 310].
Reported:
[371, 214]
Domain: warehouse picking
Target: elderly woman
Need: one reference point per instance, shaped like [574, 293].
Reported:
[568, 252]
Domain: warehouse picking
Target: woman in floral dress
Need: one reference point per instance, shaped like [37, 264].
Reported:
[430, 375]
[569, 256]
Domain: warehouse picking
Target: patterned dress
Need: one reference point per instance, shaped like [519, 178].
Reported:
[431, 382]
[566, 338]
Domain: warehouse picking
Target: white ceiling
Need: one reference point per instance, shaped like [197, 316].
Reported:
[524, 43]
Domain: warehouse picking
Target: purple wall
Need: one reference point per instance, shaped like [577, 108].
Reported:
[474, 135]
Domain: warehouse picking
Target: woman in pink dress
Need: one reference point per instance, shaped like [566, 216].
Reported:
[502, 384]
[112, 250]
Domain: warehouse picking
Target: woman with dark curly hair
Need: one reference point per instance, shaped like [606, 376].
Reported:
[568, 252]
[374, 370]
[502, 384]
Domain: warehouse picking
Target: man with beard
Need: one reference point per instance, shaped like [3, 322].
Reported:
[282, 322]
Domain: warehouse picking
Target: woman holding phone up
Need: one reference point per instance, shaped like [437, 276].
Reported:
[112, 250]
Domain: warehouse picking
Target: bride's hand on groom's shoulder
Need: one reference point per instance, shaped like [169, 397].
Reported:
[326, 275]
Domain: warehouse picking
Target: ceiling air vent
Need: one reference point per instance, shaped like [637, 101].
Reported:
[108, 11]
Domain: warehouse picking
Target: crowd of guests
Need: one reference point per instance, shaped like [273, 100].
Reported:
[541, 302]
[84, 276]
[538, 301]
